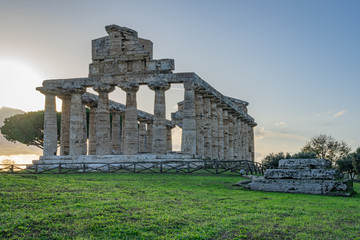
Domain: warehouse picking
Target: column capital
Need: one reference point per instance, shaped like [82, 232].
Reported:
[159, 85]
[103, 87]
[189, 85]
[129, 86]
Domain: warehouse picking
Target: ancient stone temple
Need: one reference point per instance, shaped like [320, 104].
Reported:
[213, 126]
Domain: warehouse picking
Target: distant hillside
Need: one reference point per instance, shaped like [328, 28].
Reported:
[6, 112]
[9, 148]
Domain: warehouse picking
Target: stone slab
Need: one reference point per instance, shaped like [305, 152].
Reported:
[322, 187]
[304, 164]
[329, 174]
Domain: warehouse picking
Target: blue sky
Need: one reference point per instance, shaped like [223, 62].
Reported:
[296, 62]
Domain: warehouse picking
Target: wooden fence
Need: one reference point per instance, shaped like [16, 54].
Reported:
[242, 167]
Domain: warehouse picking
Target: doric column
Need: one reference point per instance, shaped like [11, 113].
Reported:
[92, 131]
[84, 146]
[207, 127]
[122, 132]
[142, 137]
[244, 143]
[220, 132]
[188, 141]
[168, 139]
[199, 105]
[77, 138]
[50, 125]
[231, 137]
[236, 141]
[116, 133]
[159, 124]
[102, 119]
[251, 143]
[149, 136]
[65, 123]
[214, 129]
[131, 132]
[226, 134]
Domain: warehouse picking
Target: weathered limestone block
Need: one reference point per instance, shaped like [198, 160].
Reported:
[329, 174]
[309, 186]
[304, 163]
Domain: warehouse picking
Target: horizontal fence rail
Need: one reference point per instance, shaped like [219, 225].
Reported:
[242, 167]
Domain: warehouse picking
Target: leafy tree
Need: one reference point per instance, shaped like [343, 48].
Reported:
[304, 155]
[345, 165]
[326, 147]
[27, 128]
[355, 157]
[272, 160]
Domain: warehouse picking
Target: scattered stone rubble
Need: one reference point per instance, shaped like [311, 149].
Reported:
[311, 176]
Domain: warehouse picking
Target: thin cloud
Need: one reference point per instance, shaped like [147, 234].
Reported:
[261, 133]
[338, 114]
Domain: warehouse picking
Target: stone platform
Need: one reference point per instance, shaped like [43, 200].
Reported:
[310, 176]
[96, 161]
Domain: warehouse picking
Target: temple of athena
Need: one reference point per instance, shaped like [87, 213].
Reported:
[213, 126]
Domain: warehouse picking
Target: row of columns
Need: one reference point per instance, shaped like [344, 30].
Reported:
[130, 138]
[213, 130]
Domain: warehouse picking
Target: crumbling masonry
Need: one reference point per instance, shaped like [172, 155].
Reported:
[213, 126]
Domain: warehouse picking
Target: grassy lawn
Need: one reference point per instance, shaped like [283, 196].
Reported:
[166, 206]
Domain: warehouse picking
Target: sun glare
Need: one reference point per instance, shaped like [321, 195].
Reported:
[18, 83]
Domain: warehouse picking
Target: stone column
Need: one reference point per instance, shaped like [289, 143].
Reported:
[102, 119]
[231, 137]
[168, 139]
[244, 143]
[131, 132]
[220, 132]
[188, 140]
[149, 136]
[252, 144]
[116, 133]
[65, 124]
[236, 142]
[84, 146]
[50, 125]
[214, 129]
[142, 137]
[207, 128]
[199, 105]
[77, 138]
[226, 134]
[159, 125]
[122, 132]
[92, 131]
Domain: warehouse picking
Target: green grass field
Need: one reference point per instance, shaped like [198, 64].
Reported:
[166, 206]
